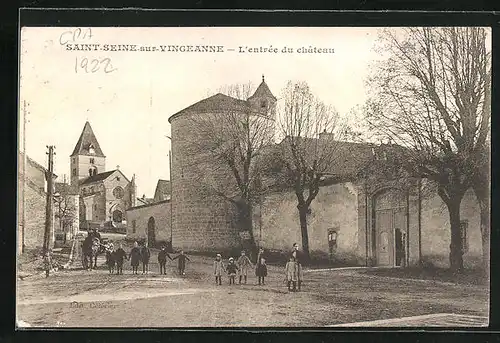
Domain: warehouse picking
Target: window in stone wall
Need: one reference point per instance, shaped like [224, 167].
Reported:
[332, 241]
[133, 226]
[464, 225]
[92, 161]
[74, 171]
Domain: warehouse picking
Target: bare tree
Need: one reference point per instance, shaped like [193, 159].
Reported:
[431, 94]
[311, 131]
[66, 210]
[226, 146]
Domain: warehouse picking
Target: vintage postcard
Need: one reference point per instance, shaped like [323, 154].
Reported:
[253, 177]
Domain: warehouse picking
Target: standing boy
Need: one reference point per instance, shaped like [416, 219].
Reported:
[244, 264]
[182, 262]
[162, 259]
[119, 255]
[145, 255]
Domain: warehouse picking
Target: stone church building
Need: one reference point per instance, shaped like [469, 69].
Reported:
[357, 219]
[104, 195]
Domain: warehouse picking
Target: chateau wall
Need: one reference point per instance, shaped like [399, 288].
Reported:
[436, 230]
[335, 207]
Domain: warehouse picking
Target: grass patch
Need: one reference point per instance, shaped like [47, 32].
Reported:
[467, 277]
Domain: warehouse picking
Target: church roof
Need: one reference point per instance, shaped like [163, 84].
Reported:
[86, 139]
[217, 102]
[97, 177]
[263, 91]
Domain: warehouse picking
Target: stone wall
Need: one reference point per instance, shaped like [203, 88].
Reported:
[202, 221]
[435, 229]
[140, 215]
[34, 206]
[335, 207]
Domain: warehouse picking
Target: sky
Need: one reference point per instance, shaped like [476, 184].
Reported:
[128, 96]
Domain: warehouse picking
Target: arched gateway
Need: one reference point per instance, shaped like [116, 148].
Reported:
[390, 227]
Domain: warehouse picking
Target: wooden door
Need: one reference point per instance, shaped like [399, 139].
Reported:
[385, 237]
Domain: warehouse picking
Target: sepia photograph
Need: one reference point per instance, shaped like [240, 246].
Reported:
[254, 177]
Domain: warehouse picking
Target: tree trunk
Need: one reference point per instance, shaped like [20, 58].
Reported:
[303, 231]
[456, 252]
[483, 197]
[246, 224]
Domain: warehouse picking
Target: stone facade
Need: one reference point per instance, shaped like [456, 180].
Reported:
[350, 209]
[34, 206]
[151, 223]
[334, 210]
[203, 220]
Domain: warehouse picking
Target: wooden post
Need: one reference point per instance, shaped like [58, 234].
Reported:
[49, 208]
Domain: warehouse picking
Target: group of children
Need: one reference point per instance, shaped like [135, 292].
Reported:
[139, 255]
[241, 266]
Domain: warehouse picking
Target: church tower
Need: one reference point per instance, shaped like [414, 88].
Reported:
[87, 158]
[263, 101]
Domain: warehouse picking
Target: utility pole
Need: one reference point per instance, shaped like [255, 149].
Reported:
[49, 210]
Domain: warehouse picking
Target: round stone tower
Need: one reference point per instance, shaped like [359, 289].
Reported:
[203, 221]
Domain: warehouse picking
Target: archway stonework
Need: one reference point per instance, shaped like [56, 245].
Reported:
[368, 192]
[117, 216]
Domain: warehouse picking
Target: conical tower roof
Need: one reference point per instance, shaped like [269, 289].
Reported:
[263, 91]
[86, 140]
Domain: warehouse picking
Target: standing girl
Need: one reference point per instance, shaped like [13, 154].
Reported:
[292, 273]
[218, 269]
[231, 268]
[261, 268]
[244, 264]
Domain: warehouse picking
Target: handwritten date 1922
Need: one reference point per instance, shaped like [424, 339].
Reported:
[93, 65]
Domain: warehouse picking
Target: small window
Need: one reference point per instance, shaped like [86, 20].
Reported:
[133, 226]
[464, 224]
[263, 104]
[74, 171]
[117, 178]
[92, 161]
[332, 241]
[74, 160]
